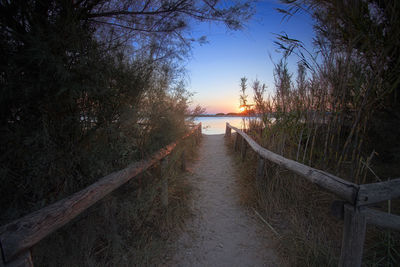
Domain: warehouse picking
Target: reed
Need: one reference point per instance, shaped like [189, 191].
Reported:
[325, 119]
[128, 226]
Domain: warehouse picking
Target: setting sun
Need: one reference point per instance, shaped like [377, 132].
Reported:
[241, 109]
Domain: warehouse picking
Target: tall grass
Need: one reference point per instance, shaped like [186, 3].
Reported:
[127, 228]
[326, 120]
[297, 210]
[340, 113]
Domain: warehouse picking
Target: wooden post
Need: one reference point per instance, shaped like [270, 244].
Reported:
[243, 149]
[193, 142]
[260, 169]
[353, 237]
[236, 141]
[227, 131]
[197, 134]
[164, 182]
[378, 192]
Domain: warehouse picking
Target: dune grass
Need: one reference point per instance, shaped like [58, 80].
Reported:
[127, 228]
[299, 212]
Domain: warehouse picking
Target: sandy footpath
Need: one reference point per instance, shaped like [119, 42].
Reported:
[221, 232]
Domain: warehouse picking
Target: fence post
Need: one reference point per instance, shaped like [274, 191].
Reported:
[260, 169]
[197, 134]
[243, 148]
[227, 131]
[164, 182]
[236, 141]
[353, 237]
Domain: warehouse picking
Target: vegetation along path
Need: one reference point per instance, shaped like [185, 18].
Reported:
[221, 231]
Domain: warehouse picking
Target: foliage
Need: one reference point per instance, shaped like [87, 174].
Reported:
[341, 114]
[358, 59]
[87, 87]
[77, 80]
[129, 226]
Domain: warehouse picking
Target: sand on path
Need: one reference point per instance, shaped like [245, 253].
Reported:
[221, 231]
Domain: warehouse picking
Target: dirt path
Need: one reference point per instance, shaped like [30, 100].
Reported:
[221, 232]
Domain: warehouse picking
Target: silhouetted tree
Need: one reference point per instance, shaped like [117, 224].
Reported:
[71, 77]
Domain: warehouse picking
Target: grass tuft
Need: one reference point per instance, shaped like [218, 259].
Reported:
[299, 211]
[129, 227]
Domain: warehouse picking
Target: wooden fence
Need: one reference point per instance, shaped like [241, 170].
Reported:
[355, 198]
[18, 237]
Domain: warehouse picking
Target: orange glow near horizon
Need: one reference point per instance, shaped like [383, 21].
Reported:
[224, 103]
[221, 106]
[218, 103]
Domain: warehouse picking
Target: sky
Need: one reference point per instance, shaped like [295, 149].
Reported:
[215, 68]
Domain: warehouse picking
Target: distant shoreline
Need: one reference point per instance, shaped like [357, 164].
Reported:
[208, 115]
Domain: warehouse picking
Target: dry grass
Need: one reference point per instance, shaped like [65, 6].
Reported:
[308, 235]
[127, 228]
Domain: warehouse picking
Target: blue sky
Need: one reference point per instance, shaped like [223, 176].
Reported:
[215, 68]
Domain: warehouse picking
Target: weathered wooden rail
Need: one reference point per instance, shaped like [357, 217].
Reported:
[355, 198]
[18, 237]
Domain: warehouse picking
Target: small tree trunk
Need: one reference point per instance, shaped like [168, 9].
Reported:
[353, 237]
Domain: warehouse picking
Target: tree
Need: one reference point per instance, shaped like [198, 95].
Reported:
[72, 76]
[359, 62]
[365, 30]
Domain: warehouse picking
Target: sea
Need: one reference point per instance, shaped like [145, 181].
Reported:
[216, 125]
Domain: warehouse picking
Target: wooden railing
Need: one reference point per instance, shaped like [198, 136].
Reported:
[18, 237]
[355, 198]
